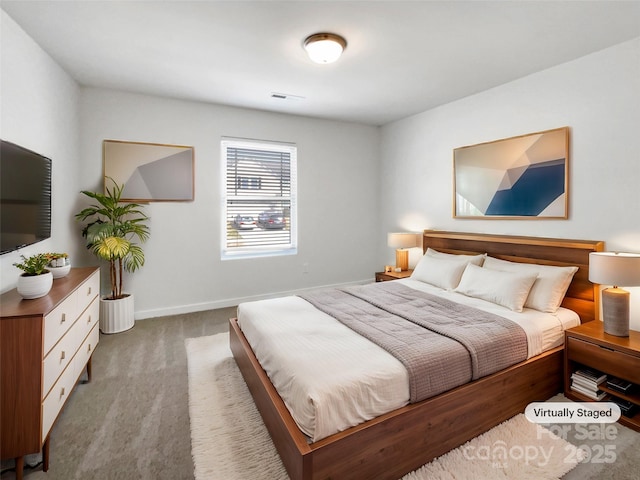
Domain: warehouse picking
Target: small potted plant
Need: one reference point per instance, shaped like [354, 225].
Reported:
[37, 280]
[59, 264]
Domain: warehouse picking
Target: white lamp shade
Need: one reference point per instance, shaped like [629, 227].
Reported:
[401, 240]
[618, 269]
[324, 47]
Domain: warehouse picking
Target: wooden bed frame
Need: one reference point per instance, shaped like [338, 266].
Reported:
[390, 446]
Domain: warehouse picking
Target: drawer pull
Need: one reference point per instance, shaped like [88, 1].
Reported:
[89, 349]
[606, 348]
[62, 355]
[89, 291]
[89, 320]
[62, 392]
[64, 318]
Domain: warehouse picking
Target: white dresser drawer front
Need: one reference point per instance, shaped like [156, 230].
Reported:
[86, 350]
[62, 353]
[88, 291]
[88, 319]
[60, 320]
[60, 356]
[57, 397]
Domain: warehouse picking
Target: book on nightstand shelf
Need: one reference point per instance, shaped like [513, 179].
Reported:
[591, 374]
[593, 394]
[626, 407]
[620, 385]
[587, 382]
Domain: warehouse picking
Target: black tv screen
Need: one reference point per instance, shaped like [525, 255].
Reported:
[25, 197]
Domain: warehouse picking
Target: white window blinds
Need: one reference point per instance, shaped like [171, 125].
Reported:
[259, 199]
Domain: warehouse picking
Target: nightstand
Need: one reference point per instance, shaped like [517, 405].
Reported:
[386, 276]
[588, 346]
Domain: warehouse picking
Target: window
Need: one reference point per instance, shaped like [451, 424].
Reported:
[259, 199]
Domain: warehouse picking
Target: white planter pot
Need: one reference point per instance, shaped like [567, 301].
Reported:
[59, 272]
[34, 286]
[60, 262]
[116, 315]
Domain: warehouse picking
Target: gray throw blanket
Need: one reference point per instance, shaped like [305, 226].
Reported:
[442, 344]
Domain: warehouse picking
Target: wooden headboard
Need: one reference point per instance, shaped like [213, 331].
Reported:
[582, 296]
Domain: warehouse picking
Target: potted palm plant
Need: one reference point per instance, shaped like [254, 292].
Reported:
[112, 234]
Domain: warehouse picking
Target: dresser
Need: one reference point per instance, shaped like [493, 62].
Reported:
[46, 343]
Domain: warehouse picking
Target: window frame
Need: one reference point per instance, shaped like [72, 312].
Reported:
[291, 248]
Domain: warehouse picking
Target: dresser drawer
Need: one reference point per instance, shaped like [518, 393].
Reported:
[62, 388]
[88, 319]
[59, 357]
[86, 350]
[61, 354]
[56, 398]
[88, 291]
[612, 362]
[60, 320]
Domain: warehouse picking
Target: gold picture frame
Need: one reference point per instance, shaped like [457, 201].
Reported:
[150, 172]
[523, 177]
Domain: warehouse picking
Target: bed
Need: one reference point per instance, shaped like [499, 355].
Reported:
[404, 438]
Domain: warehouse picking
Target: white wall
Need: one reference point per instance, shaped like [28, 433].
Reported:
[337, 201]
[597, 96]
[39, 111]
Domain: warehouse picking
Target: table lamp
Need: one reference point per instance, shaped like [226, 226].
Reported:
[609, 268]
[401, 241]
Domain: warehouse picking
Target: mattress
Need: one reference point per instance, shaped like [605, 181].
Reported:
[330, 378]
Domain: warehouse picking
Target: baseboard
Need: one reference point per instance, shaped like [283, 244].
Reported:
[232, 302]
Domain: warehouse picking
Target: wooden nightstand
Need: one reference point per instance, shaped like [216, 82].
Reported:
[588, 346]
[386, 276]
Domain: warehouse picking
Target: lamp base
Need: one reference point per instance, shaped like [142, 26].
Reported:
[402, 259]
[615, 311]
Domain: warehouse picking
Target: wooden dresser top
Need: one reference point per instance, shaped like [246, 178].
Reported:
[13, 305]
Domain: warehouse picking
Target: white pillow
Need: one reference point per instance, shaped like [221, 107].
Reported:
[441, 272]
[475, 259]
[509, 289]
[549, 288]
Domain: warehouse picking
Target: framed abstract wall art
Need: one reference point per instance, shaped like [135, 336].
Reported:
[150, 172]
[524, 177]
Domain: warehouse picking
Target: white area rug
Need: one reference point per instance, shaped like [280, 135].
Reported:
[230, 442]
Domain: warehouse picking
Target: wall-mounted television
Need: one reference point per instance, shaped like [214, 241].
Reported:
[25, 197]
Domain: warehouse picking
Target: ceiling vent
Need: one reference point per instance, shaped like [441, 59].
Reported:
[286, 96]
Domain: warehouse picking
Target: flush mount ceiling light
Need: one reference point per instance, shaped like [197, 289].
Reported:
[324, 47]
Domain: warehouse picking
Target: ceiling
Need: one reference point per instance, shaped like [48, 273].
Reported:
[402, 57]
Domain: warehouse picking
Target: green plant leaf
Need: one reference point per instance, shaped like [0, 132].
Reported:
[113, 228]
[113, 247]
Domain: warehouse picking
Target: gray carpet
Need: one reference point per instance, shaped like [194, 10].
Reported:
[132, 420]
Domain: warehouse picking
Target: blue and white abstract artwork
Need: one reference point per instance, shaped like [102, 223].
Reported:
[519, 177]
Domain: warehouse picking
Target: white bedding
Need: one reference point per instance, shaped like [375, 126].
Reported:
[331, 378]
